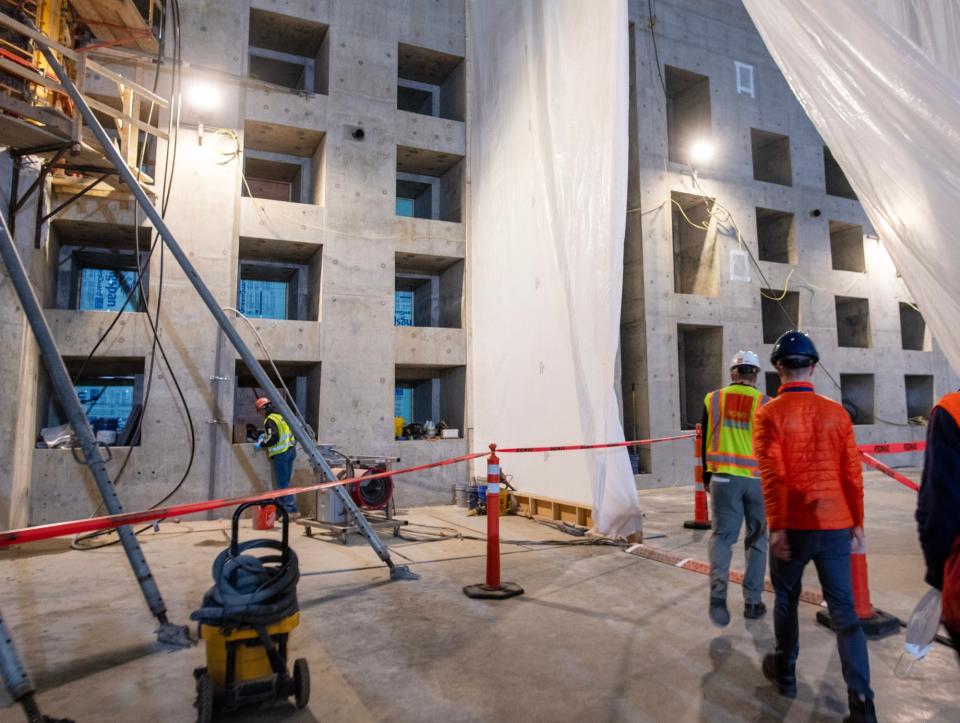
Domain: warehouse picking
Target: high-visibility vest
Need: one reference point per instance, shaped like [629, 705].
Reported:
[729, 434]
[286, 440]
[950, 403]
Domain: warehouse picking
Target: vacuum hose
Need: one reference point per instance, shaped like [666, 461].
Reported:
[250, 590]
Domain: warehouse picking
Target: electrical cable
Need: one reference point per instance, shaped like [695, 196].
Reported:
[290, 398]
[727, 217]
[652, 24]
[169, 170]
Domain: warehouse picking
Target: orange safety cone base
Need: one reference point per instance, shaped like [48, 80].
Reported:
[879, 625]
[698, 524]
[482, 592]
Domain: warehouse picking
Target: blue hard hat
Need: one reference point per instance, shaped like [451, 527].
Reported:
[794, 343]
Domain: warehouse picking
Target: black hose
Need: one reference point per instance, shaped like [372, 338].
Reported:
[250, 590]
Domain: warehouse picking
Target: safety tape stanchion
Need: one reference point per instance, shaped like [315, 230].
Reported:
[493, 588]
[701, 515]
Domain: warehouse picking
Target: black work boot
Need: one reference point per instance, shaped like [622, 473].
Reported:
[781, 675]
[861, 710]
[754, 611]
[719, 615]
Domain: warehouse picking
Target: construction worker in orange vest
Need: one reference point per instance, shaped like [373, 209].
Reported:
[732, 476]
[938, 510]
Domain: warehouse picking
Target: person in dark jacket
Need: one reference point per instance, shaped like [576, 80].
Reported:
[938, 504]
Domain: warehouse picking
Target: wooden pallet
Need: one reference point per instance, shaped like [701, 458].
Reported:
[547, 508]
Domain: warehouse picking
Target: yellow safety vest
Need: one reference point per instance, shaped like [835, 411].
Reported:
[729, 433]
[286, 440]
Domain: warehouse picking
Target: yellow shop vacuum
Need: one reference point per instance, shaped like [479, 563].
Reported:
[245, 622]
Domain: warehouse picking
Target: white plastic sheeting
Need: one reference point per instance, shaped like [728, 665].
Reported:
[880, 79]
[548, 155]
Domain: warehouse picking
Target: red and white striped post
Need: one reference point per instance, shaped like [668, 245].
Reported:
[701, 515]
[874, 621]
[493, 588]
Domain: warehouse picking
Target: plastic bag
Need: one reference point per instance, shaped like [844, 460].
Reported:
[922, 628]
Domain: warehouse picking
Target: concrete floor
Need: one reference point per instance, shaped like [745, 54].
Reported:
[599, 634]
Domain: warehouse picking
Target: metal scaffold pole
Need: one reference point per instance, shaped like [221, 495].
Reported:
[67, 396]
[319, 464]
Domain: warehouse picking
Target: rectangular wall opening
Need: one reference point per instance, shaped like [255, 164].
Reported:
[776, 236]
[283, 163]
[279, 279]
[288, 51]
[429, 184]
[836, 182]
[846, 247]
[435, 394]
[772, 381]
[913, 329]
[779, 316]
[694, 249]
[919, 388]
[111, 392]
[856, 391]
[771, 157]
[428, 291]
[688, 111]
[700, 351]
[853, 322]
[301, 379]
[430, 82]
[97, 266]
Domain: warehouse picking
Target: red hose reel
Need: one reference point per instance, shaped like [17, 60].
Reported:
[373, 494]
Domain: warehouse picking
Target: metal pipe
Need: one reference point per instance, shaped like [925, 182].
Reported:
[67, 395]
[263, 379]
[15, 676]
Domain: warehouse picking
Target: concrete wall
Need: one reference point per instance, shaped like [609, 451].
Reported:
[706, 37]
[348, 346]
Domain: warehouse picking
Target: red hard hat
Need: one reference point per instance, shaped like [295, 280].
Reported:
[262, 403]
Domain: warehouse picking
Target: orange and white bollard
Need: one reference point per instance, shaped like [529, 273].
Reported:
[701, 515]
[493, 588]
[875, 622]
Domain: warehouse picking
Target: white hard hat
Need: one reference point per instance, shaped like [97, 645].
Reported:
[745, 358]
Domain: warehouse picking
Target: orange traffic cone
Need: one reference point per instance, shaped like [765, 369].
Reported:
[875, 622]
[701, 514]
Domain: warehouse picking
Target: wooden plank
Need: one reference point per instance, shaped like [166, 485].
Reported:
[126, 82]
[119, 115]
[7, 21]
[99, 24]
[54, 119]
[117, 21]
[30, 76]
[17, 133]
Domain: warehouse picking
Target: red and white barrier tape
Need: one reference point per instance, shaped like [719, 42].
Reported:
[889, 471]
[105, 522]
[894, 448]
[572, 447]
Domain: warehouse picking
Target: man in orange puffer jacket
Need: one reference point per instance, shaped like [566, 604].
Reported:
[812, 482]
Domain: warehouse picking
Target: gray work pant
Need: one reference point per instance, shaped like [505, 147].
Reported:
[735, 498]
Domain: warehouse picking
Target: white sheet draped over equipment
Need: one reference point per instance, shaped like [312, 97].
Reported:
[548, 156]
[880, 79]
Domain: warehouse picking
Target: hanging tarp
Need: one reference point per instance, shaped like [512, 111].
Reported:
[548, 178]
[880, 79]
